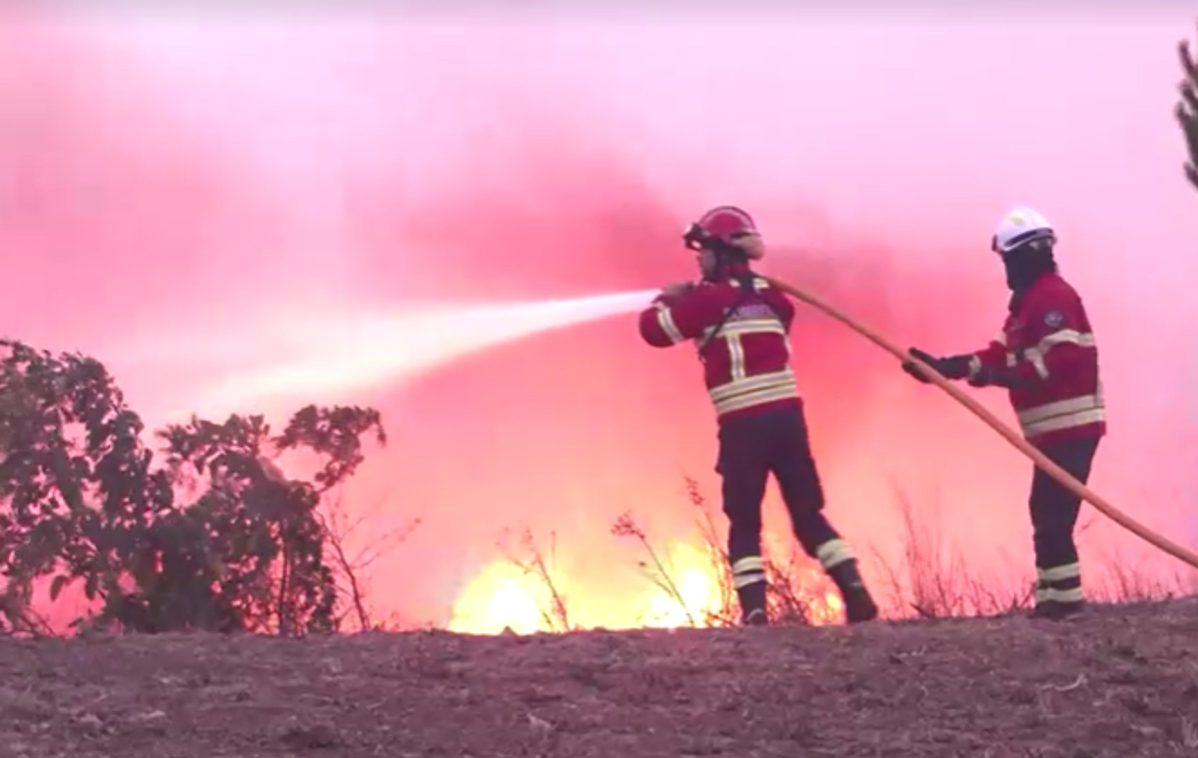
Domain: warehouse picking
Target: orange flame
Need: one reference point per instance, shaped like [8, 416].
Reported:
[502, 597]
[505, 597]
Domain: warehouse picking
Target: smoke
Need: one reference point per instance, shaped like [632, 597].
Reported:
[319, 206]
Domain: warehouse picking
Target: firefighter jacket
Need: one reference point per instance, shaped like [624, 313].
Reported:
[741, 335]
[1047, 348]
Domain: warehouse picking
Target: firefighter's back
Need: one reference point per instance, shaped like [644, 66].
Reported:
[746, 353]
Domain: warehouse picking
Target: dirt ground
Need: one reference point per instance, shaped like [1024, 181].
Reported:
[1121, 682]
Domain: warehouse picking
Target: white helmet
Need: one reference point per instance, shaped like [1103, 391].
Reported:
[1020, 226]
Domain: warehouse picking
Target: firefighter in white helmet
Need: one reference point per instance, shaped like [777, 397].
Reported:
[1047, 359]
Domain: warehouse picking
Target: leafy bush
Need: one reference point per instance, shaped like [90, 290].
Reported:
[211, 538]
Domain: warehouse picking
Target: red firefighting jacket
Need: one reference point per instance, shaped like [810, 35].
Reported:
[1048, 345]
[741, 337]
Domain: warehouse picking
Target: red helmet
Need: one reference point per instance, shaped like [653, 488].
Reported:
[727, 224]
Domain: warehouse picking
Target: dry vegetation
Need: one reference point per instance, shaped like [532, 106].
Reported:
[931, 580]
[1122, 682]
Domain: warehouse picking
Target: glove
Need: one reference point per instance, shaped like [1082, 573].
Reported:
[989, 377]
[955, 367]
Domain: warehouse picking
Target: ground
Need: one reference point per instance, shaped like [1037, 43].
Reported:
[1121, 682]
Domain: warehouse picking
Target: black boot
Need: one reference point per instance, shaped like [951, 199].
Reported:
[1054, 610]
[859, 605]
[1048, 604]
[752, 604]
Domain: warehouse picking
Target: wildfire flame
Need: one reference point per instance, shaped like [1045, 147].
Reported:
[503, 596]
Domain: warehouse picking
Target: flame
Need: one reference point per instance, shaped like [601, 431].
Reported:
[504, 596]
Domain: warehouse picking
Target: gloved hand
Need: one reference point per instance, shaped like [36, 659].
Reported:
[955, 367]
[989, 377]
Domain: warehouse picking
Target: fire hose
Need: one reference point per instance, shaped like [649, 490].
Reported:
[1017, 441]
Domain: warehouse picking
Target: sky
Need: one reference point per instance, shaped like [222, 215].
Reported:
[198, 198]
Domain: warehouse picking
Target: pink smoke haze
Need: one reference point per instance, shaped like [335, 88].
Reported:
[199, 198]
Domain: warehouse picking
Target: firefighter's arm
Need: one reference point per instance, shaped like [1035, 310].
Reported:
[982, 368]
[988, 367]
[990, 358]
[674, 317]
[966, 365]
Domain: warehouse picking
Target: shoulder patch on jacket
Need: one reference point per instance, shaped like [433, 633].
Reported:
[1054, 319]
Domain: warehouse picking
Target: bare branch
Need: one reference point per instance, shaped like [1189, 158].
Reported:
[337, 529]
[557, 616]
[658, 573]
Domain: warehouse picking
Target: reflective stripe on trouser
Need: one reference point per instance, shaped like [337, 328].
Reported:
[748, 570]
[833, 553]
[1061, 584]
[839, 563]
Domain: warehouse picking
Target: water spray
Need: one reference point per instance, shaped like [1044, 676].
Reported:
[1010, 435]
[358, 351]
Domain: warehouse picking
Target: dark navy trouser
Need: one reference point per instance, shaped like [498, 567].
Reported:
[1054, 510]
[751, 448]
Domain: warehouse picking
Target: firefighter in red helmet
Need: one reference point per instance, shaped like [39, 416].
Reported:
[740, 325]
[1047, 360]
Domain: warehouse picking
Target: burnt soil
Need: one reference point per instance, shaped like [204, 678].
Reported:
[1121, 682]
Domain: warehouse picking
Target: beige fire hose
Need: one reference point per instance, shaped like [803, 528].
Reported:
[1056, 472]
